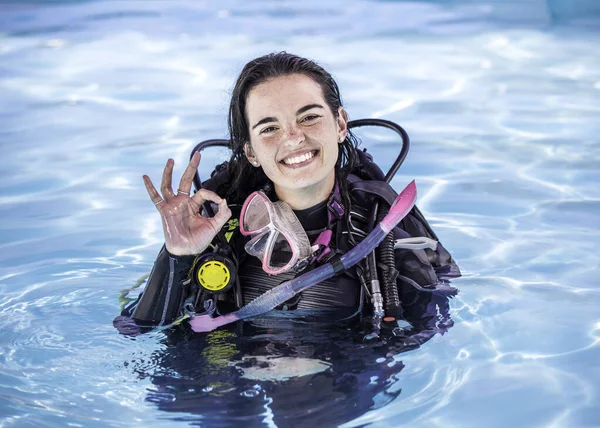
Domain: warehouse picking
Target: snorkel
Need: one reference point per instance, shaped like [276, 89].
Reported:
[288, 289]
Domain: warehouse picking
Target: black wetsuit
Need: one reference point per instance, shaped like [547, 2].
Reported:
[169, 286]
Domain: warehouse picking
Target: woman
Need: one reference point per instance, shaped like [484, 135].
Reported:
[290, 139]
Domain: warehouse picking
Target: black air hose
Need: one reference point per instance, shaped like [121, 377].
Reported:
[387, 264]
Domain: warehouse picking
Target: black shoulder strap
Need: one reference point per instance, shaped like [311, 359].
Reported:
[381, 189]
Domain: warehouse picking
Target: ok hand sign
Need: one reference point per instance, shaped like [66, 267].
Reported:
[186, 231]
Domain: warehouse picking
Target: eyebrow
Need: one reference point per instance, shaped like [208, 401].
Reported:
[300, 111]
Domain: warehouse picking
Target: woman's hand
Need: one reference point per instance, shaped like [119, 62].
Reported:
[186, 231]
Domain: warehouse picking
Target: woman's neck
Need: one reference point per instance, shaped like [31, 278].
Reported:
[307, 197]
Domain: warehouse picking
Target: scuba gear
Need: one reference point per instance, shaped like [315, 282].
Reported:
[172, 292]
[278, 237]
[389, 298]
[415, 244]
[285, 291]
[214, 273]
[340, 294]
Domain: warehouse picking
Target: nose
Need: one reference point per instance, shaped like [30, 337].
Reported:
[294, 136]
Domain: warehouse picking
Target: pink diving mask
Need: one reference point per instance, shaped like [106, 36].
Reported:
[278, 238]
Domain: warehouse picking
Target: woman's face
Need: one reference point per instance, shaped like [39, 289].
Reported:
[294, 136]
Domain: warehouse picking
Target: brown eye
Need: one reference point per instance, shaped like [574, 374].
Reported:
[268, 129]
[310, 118]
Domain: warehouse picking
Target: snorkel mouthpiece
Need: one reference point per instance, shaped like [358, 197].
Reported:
[288, 289]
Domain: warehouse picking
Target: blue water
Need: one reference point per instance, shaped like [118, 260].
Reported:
[501, 99]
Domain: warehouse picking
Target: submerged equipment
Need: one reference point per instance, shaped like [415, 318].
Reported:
[288, 289]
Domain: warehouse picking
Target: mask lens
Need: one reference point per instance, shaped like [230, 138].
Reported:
[257, 246]
[282, 253]
[256, 215]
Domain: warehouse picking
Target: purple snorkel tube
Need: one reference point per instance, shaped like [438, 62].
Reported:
[288, 289]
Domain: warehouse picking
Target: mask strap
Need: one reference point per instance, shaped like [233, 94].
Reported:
[335, 208]
[335, 212]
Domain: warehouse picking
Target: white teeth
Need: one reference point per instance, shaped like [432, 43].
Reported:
[298, 159]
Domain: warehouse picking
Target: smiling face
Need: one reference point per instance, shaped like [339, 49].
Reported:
[294, 135]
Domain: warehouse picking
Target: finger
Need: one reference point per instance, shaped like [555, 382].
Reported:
[185, 185]
[165, 185]
[152, 192]
[204, 195]
[222, 216]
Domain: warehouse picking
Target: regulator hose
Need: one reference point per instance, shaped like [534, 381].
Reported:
[288, 289]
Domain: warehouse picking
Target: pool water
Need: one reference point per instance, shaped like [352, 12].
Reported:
[501, 100]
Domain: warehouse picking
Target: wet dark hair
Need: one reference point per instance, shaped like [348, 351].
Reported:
[244, 178]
